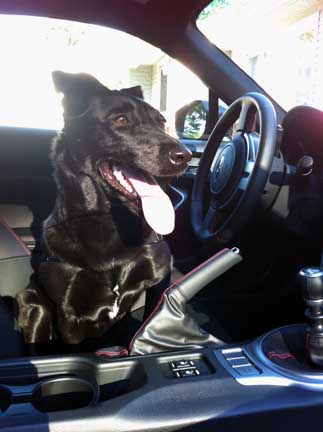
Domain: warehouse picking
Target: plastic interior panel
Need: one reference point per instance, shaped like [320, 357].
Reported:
[136, 395]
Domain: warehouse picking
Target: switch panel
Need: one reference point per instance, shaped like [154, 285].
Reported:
[239, 363]
[183, 365]
[184, 368]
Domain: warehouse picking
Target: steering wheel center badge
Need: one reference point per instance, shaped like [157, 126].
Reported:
[222, 169]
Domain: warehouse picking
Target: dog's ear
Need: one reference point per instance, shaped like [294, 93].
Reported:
[77, 89]
[135, 91]
[69, 82]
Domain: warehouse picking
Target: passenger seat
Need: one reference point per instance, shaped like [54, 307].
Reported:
[15, 267]
[15, 271]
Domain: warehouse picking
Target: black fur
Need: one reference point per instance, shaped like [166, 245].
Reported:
[97, 234]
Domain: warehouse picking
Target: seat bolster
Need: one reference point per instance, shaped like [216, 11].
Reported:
[15, 266]
[11, 245]
[14, 275]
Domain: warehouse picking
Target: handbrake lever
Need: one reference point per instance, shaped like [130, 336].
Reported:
[169, 327]
[191, 283]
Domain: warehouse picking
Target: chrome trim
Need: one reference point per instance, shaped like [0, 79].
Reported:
[182, 197]
[313, 302]
[235, 250]
[313, 272]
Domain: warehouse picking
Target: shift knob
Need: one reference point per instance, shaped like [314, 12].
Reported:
[304, 166]
[311, 281]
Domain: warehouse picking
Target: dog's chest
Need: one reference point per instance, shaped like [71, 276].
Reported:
[96, 242]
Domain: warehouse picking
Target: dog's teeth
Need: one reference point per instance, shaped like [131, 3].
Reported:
[118, 175]
[125, 184]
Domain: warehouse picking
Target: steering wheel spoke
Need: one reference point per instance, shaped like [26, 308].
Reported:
[247, 117]
[209, 218]
[247, 171]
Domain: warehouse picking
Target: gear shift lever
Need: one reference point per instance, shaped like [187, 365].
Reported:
[311, 281]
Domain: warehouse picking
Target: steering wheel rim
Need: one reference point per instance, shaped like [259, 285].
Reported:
[229, 175]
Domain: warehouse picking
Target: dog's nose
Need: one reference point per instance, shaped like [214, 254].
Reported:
[180, 157]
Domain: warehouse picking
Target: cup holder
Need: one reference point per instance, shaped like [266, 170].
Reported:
[62, 394]
[75, 388]
[5, 399]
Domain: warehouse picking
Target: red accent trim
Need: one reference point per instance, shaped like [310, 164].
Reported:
[106, 353]
[283, 356]
[178, 281]
[11, 231]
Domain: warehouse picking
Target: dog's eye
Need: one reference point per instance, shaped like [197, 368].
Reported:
[121, 120]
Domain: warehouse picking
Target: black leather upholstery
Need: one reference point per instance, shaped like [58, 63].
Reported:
[169, 327]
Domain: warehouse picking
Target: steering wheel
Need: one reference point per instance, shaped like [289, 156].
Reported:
[233, 174]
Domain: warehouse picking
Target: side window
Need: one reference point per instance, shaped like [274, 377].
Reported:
[28, 98]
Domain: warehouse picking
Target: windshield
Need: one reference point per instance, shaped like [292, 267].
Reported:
[279, 43]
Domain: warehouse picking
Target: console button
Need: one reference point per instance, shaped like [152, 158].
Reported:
[183, 364]
[232, 353]
[186, 373]
[239, 362]
[246, 371]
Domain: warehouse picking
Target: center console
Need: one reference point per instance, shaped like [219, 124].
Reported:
[241, 386]
[272, 383]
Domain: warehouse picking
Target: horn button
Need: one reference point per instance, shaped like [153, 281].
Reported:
[228, 169]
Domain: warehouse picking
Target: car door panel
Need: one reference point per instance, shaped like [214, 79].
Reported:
[27, 189]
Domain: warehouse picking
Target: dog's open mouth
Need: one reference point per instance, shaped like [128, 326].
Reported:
[113, 175]
[156, 206]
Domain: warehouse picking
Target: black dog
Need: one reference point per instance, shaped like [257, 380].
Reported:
[101, 239]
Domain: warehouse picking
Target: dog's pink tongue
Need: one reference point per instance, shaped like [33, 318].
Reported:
[156, 205]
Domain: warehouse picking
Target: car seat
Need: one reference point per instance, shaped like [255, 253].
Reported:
[15, 271]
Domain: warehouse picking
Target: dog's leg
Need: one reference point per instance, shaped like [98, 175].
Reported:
[145, 275]
[84, 300]
[34, 314]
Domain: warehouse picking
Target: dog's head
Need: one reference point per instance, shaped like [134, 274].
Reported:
[122, 135]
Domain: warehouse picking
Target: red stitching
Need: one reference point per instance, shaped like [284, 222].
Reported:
[11, 231]
[283, 356]
[105, 353]
[179, 280]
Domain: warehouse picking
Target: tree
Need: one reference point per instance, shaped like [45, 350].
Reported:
[195, 121]
[215, 4]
